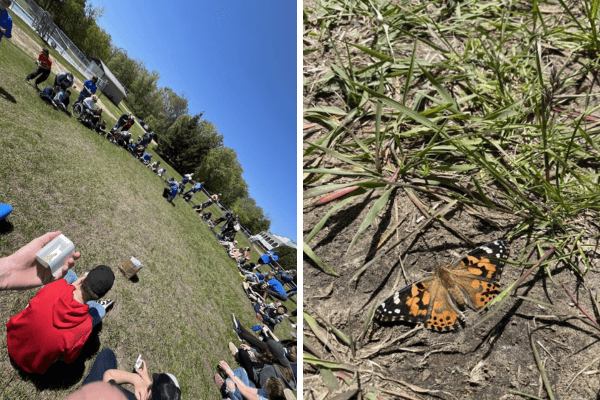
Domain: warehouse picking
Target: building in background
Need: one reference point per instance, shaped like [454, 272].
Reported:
[270, 240]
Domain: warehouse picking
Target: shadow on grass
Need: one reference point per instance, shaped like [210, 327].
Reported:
[5, 227]
[61, 375]
[7, 96]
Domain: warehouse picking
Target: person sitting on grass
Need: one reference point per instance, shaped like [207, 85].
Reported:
[124, 122]
[44, 64]
[275, 289]
[101, 128]
[154, 166]
[170, 192]
[228, 245]
[212, 199]
[146, 158]
[162, 386]
[162, 172]
[263, 365]
[62, 100]
[48, 94]
[270, 316]
[268, 258]
[239, 387]
[206, 216]
[237, 253]
[58, 320]
[256, 291]
[196, 188]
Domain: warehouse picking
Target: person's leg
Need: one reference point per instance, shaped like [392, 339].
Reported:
[231, 390]
[292, 292]
[44, 74]
[104, 361]
[276, 295]
[246, 363]
[34, 73]
[249, 337]
[240, 373]
[96, 311]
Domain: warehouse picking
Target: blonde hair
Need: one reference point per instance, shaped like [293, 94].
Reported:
[94, 98]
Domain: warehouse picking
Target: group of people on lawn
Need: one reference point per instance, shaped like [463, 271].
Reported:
[59, 96]
[267, 365]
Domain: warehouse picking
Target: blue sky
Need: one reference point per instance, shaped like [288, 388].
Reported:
[237, 61]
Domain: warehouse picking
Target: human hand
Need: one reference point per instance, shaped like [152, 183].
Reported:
[141, 389]
[143, 373]
[21, 271]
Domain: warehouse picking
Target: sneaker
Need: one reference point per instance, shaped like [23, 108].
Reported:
[245, 286]
[233, 349]
[106, 303]
[236, 323]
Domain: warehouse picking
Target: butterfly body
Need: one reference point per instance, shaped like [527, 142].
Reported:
[437, 300]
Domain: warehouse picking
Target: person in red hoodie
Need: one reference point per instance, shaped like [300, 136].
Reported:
[58, 320]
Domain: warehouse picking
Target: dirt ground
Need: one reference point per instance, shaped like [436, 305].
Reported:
[494, 360]
[28, 45]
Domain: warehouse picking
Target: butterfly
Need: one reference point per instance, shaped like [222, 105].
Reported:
[437, 300]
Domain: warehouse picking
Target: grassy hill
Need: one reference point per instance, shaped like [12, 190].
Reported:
[58, 175]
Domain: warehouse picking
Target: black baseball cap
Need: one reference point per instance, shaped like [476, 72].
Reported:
[101, 280]
[165, 387]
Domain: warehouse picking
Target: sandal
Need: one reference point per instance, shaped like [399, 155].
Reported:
[219, 381]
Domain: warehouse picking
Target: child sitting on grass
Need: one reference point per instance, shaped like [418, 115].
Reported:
[49, 93]
[58, 320]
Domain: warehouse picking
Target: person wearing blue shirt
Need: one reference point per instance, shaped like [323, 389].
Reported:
[5, 20]
[188, 195]
[62, 100]
[49, 93]
[171, 192]
[275, 289]
[267, 258]
[89, 88]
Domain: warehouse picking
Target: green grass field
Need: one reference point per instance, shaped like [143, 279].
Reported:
[58, 175]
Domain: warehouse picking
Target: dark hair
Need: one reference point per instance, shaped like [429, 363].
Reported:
[267, 357]
[68, 92]
[86, 292]
[275, 389]
[45, 52]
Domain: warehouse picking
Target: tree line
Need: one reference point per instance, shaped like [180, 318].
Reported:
[189, 143]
